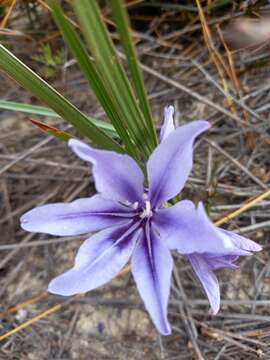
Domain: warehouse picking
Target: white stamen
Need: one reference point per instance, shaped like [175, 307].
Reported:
[135, 205]
[148, 207]
[147, 212]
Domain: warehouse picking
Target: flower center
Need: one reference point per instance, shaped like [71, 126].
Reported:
[147, 211]
[144, 212]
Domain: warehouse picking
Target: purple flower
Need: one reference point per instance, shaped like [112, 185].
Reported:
[133, 222]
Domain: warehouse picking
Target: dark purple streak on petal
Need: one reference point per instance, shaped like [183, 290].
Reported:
[99, 259]
[151, 266]
[78, 217]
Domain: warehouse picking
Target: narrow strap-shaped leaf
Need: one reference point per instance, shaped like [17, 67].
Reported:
[27, 108]
[109, 65]
[46, 93]
[94, 79]
[44, 111]
[123, 25]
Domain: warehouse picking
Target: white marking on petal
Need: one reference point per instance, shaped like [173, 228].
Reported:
[135, 205]
[227, 243]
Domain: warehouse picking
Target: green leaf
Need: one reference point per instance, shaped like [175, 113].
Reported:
[44, 111]
[121, 18]
[109, 66]
[46, 93]
[26, 108]
[94, 79]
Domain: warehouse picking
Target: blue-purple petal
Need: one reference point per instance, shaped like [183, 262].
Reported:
[117, 176]
[188, 230]
[208, 280]
[216, 261]
[242, 242]
[99, 259]
[151, 267]
[170, 164]
[78, 217]
[168, 124]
